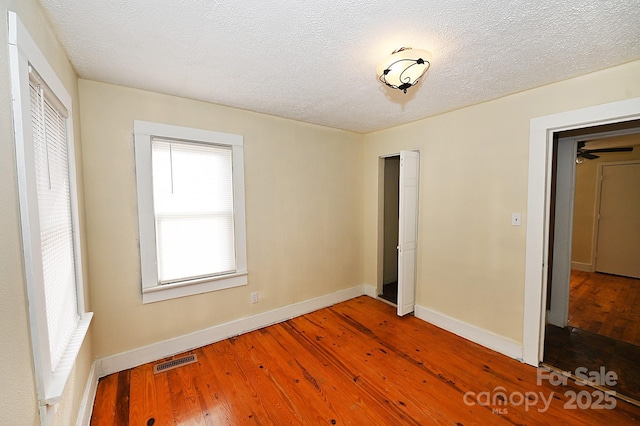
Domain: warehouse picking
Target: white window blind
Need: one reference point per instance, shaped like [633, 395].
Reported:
[48, 119]
[194, 213]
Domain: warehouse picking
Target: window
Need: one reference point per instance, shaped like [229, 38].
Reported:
[190, 210]
[49, 216]
[48, 125]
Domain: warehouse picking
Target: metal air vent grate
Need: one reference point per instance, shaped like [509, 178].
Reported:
[174, 363]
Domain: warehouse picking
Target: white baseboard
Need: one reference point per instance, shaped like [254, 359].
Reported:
[125, 360]
[86, 406]
[478, 335]
[580, 266]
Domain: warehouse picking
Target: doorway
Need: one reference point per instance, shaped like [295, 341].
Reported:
[618, 236]
[391, 212]
[399, 177]
[590, 312]
[542, 130]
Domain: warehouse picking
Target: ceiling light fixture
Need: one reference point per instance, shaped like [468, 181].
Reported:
[404, 67]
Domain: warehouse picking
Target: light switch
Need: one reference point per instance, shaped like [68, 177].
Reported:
[516, 219]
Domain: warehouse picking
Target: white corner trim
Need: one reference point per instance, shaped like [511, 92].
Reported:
[89, 396]
[133, 358]
[370, 290]
[581, 266]
[478, 335]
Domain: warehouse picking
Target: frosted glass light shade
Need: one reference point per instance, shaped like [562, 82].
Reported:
[404, 67]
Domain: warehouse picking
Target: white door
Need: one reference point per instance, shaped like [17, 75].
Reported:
[618, 250]
[408, 230]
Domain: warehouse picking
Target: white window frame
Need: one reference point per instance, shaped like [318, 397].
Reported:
[23, 52]
[152, 290]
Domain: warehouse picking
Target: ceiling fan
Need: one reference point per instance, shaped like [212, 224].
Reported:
[589, 154]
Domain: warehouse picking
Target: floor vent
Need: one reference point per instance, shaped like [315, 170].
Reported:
[174, 363]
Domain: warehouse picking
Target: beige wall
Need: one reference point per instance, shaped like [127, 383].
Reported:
[585, 198]
[18, 399]
[303, 207]
[473, 176]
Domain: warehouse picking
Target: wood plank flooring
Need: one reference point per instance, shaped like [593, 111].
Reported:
[603, 331]
[605, 304]
[353, 363]
[390, 292]
[569, 348]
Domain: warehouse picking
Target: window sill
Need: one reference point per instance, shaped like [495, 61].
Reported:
[53, 394]
[173, 291]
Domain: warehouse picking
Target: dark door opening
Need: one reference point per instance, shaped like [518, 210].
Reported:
[391, 196]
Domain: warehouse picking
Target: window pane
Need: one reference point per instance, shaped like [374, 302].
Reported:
[193, 203]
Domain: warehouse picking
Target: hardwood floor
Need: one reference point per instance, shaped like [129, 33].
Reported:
[605, 304]
[390, 292]
[353, 363]
[569, 348]
[603, 331]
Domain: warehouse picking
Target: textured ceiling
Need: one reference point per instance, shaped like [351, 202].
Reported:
[315, 61]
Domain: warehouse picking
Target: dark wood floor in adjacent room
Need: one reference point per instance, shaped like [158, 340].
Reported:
[605, 304]
[570, 348]
[353, 363]
[603, 331]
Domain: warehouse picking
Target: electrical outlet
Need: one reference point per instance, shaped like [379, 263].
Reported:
[254, 297]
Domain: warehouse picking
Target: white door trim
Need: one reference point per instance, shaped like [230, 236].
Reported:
[381, 223]
[537, 236]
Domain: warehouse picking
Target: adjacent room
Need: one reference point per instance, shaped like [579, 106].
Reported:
[593, 319]
[318, 212]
